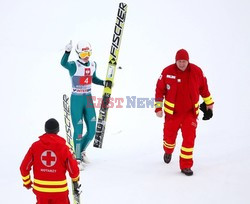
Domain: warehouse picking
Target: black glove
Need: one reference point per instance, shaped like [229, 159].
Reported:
[207, 113]
[108, 83]
[77, 186]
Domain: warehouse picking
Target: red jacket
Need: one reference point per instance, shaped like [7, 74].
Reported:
[181, 90]
[50, 158]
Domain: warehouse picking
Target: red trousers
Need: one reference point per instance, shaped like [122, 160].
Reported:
[187, 123]
[61, 200]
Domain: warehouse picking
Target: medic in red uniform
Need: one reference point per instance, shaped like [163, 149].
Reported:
[50, 158]
[177, 91]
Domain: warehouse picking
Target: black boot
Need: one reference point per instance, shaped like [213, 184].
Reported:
[167, 158]
[187, 172]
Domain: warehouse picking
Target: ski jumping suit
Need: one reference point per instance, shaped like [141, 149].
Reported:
[50, 158]
[181, 91]
[82, 75]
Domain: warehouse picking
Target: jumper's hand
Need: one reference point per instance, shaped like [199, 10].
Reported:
[69, 46]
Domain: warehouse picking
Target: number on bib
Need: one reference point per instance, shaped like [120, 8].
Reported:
[84, 80]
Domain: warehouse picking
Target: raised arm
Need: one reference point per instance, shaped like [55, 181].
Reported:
[71, 66]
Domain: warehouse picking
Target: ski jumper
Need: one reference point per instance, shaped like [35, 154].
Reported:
[50, 158]
[180, 91]
[82, 108]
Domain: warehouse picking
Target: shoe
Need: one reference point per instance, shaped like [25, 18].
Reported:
[81, 164]
[167, 158]
[187, 171]
[84, 158]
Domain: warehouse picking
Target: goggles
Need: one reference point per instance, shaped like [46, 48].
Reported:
[85, 54]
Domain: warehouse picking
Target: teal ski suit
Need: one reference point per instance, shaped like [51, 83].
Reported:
[82, 107]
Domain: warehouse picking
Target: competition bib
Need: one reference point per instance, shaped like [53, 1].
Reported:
[82, 79]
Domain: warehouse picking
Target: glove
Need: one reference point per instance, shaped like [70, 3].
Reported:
[77, 186]
[207, 113]
[28, 186]
[108, 83]
[69, 47]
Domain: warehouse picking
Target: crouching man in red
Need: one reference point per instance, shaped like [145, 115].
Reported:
[180, 86]
[50, 158]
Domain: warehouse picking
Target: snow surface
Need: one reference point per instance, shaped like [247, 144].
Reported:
[129, 168]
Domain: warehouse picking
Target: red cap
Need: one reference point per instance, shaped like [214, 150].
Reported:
[182, 55]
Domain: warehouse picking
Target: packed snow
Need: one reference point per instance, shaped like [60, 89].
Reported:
[130, 168]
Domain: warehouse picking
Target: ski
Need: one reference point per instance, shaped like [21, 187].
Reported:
[113, 57]
[70, 142]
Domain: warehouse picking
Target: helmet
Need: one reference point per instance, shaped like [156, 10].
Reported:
[83, 46]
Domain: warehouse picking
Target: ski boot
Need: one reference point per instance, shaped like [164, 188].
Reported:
[84, 157]
[81, 164]
[83, 161]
